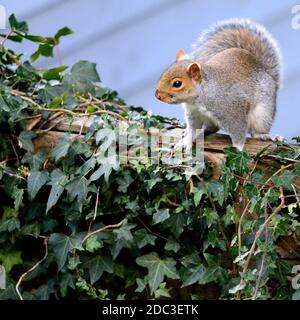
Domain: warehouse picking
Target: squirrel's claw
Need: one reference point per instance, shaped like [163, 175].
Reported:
[266, 137]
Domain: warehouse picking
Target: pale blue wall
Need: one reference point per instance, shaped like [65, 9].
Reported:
[133, 41]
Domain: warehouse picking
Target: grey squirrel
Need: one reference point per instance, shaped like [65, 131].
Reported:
[230, 81]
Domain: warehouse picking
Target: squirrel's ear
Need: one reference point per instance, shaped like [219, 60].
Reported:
[180, 55]
[194, 71]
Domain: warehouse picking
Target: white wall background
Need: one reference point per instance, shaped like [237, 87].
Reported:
[133, 41]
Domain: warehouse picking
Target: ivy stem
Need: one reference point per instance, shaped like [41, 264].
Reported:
[262, 266]
[259, 232]
[296, 195]
[111, 226]
[69, 112]
[34, 267]
[5, 38]
[95, 211]
[59, 59]
[149, 230]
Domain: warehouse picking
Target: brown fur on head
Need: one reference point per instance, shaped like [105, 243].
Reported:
[179, 80]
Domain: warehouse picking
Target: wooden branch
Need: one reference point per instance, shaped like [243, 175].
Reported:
[214, 144]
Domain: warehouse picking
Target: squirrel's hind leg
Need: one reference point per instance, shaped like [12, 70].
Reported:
[261, 120]
[235, 123]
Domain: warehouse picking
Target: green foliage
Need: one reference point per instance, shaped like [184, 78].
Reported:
[141, 230]
[157, 269]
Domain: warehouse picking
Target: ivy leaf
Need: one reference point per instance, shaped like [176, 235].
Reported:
[157, 269]
[161, 215]
[35, 182]
[85, 70]
[122, 238]
[284, 180]
[152, 182]
[25, 140]
[172, 245]
[78, 188]
[61, 246]
[48, 93]
[297, 169]
[81, 78]
[281, 226]
[68, 280]
[213, 272]
[141, 284]
[61, 148]
[44, 49]
[162, 291]
[9, 213]
[92, 244]
[177, 222]
[62, 32]
[33, 228]
[86, 167]
[20, 26]
[215, 241]
[14, 37]
[27, 73]
[73, 262]
[143, 238]
[237, 288]
[9, 258]
[54, 73]
[18, 197]
[35, 38]
[211, 216]
[44, 291]
[237, 160]
[124, 182]
[58, 182]
[124, 233]
[106, 167]
[193, 275]
[35, 160]
[198, 193]
[97, 265]
[10, 225]
[9, 293]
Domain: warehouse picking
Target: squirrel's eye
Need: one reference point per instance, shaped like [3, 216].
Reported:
[177, 84]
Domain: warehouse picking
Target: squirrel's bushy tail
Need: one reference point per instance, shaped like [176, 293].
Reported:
[245, 34]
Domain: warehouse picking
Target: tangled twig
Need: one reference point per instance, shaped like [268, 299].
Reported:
[69, 112]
